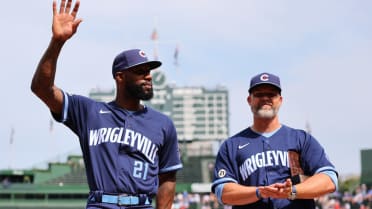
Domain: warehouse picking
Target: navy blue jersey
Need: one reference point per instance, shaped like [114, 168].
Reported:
[251, 159]
[123, 151]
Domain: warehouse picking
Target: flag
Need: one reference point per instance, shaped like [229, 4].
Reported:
[11, 140]
[154, 35]
[176, 51]
[51, 125]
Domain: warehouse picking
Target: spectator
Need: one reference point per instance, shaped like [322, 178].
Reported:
[6, 183]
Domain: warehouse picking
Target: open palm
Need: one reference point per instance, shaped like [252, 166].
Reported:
[65, 23]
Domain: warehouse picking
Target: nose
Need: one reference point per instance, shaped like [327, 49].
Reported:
[148, 75]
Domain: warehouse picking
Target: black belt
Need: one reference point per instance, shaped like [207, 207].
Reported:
[120, 199]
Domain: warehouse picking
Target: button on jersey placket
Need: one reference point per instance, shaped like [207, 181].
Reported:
[266, 147]
[129, 118]
[127, 121]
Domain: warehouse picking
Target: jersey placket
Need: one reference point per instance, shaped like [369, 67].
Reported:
[268, 177]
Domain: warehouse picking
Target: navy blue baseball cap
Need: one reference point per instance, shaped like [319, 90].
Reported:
[130, 59]
[265, 78]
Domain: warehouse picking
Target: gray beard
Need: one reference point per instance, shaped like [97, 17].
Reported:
[266, 113]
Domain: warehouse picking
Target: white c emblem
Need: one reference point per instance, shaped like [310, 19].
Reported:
[264, 77]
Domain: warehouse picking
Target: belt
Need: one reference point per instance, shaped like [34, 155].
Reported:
[124, 199]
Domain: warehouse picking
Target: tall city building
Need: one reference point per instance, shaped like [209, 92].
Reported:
[200, 115]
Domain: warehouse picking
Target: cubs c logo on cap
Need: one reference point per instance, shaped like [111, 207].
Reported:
[264, 77]
[142, 53]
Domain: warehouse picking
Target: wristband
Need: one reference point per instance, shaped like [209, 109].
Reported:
[293, 193]
[258, 194]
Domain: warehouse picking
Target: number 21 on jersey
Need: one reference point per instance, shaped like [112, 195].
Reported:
[140, 169]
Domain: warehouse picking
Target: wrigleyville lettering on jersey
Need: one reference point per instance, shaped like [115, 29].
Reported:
[124, 136]
[269, 158]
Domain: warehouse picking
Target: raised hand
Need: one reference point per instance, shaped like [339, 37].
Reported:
[65, 22]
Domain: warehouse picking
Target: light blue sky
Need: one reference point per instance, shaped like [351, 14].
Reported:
[321, 50]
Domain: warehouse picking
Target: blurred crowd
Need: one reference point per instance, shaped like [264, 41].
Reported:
[196, 201]
[360, 198]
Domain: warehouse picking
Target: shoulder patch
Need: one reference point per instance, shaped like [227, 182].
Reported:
[222, 173]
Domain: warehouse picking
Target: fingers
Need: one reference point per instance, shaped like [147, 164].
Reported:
[76, 8]
[274, 192]
[76, 24]
[65, 23]
[277, 190]
[65, 7]
[62, 6]
[68, 7]
[54, 7]
[288, 182]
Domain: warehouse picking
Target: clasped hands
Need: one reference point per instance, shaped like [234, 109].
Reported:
[277, 190]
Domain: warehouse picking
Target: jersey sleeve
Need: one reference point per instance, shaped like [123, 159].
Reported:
[314, 158]
[73, 112]
[224, 167]
[61, 117]
[169, 156]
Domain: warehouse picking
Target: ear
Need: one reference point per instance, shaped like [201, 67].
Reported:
[119, 76]
[281, 99]
[249, 99]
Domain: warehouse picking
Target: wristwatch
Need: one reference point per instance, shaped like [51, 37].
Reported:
[293, 193]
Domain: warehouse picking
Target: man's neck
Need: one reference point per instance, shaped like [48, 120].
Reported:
[264, 125]
[132, 105]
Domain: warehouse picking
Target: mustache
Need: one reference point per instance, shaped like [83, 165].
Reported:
[146, 83]
[266, 103]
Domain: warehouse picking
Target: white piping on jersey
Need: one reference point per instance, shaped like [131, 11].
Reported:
[266, 134]
[263, 159]
[65, 106]
[124, 136]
